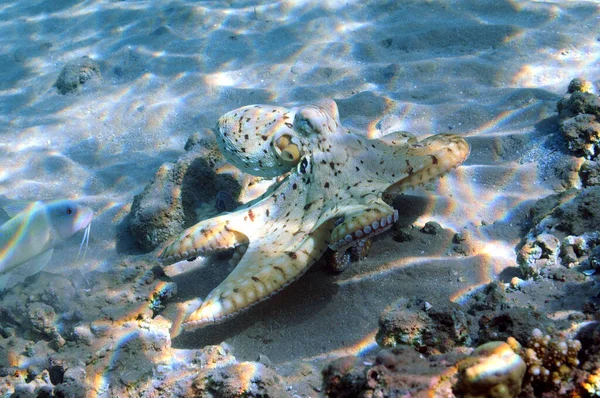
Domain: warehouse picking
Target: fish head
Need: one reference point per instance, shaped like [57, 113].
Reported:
[68, 217]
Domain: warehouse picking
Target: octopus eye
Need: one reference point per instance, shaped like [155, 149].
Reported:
[287, 150]
[303, 166]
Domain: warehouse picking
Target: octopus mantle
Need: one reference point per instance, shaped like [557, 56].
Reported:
[333, 197]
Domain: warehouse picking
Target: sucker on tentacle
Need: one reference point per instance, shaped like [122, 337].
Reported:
[365, 232]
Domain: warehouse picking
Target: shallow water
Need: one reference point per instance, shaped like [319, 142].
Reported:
[490, 71]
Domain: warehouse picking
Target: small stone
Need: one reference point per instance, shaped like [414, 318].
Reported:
[403, 235]
[76, 73]
[515, 282]
[57, 341]
[432, 228]
[568, 255]
[42, 318]
[459, 237]
[83, 333]
[74, 375]
[589, 173]
[549, 243]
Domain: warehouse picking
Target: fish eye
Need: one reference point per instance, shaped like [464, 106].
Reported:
[69, 210]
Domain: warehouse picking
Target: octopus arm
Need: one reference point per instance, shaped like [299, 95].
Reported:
[216, 234]
[428, 159]
[263, 271]
[362, 223]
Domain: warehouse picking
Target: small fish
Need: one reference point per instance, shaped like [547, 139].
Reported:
[27, 239]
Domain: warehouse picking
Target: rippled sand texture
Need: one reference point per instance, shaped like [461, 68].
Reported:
[489, 70]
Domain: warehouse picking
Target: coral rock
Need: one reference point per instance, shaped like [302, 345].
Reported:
[42, 318]
[589, 173]
[491, 298]
[514, 322]
[583, 134]
[437, 330]
[552, 362]
[537, 254]
[344, 377]
[169, 202]
[245, 379]
[492, 370]
[579, 84]
[432, 228]
[579, 111]
[76, 73]
[394, 372]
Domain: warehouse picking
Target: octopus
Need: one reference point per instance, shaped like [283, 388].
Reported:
[334, 195]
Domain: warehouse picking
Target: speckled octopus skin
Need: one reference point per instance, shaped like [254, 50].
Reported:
[333, 197]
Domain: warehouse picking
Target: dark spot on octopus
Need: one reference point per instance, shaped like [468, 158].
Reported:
[279, 269]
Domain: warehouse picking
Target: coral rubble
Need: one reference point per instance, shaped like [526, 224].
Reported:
[578, 111]
[434, 330]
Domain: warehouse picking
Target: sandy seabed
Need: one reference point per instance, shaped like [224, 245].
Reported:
[490, 71]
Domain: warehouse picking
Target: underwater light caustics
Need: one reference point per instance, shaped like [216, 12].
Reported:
[28, 238]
